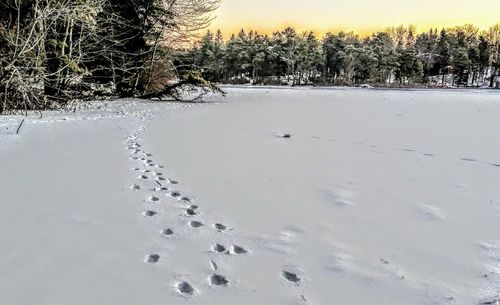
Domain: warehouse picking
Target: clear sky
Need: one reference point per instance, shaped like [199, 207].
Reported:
[361, 16]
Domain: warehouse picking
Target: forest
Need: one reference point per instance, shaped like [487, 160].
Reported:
[399, 56]
[56, 51]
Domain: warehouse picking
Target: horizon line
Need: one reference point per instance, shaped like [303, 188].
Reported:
[323, 32]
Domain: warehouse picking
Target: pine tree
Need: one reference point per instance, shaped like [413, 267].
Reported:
[493, 36]
[444, 56]
[484, 57]
[387, 56]
[397, 54]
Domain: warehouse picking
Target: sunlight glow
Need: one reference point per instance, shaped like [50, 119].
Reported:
[361, 16]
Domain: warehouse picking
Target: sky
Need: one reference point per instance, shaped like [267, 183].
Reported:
[360, 16]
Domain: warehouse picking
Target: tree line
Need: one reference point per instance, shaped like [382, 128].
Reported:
[53, 51]
[458, 56]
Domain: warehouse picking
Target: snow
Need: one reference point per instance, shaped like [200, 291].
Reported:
[377, 196]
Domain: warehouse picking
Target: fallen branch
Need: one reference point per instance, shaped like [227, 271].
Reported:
[19, 127]
[191, 79]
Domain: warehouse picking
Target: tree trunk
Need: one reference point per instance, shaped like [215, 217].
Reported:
[493, 77]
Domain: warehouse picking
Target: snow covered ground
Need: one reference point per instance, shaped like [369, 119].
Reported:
[378, 197]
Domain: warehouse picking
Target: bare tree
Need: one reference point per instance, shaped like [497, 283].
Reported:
[52, 51]
[41, 50]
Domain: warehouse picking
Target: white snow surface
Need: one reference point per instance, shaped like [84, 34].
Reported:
[378, 197]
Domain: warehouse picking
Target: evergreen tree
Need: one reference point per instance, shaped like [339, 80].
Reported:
[387, 56]
[335, 50]
[444, 56]
[396, 55]
[493, 36]
[484, 56]
[460, 59]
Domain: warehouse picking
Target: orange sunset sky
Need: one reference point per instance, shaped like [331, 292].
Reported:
[361, 16]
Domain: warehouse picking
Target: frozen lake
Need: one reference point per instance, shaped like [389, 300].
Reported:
[378, 196]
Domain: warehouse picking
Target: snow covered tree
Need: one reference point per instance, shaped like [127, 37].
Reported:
[52, 51]
[462, 56]
[387, 57]
[493, 37]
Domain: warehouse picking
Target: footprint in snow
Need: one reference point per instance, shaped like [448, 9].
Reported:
[218, 248]
[170, 181]
[174, 194]
[149, 213]
[143, 177]
[153, 199]
[152, 258]
[160, 189]
[238, 250]
[220, 227]
[185, 199]
[291, 277]
[218, 280]
[135, 187]
[184, 288]
[283, 136]
[191, 212]
[196, 224]
[167, 232]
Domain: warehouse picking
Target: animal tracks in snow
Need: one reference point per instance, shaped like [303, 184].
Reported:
[153, 199]
[167, 232]
[149, 213]
[218, 248]
[152, 258]
[196, 224]
[218, 280]
[220, 227]
[154, 185]
[238, 250]
[291, 277]
[184, 288]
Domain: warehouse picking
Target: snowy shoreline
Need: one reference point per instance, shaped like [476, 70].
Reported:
[372, 197]
[307, 87]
